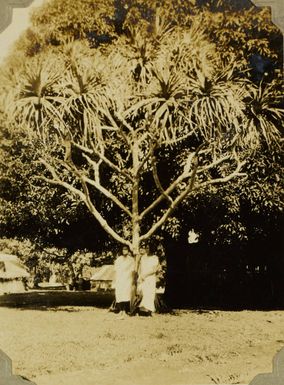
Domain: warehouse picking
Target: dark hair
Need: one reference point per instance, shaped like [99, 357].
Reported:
[126, 247]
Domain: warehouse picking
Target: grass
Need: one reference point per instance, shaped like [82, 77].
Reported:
[86, 344]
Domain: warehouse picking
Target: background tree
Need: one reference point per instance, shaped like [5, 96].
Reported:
[43, 225]
[31, 209]
[239, 29]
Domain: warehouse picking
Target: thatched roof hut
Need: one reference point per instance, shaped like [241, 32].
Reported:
[103, 277]
[12, 274]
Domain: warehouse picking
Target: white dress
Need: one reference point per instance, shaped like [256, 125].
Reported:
[123, 267]
[148, 264]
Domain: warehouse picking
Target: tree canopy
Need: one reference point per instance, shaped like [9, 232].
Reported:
[131, 111]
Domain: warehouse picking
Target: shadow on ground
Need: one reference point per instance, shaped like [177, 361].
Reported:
[50, 300]
[53, 300]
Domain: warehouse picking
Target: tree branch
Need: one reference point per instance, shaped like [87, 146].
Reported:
[173, 205]
[157, 180]
[85, 197]
[214, 164]
[107, 194]
[124, 122]
[186, 174]
[141, 104]
[95, 183]
[190, 188]
[161, 197]
[145, 158]
[57, 181]
[104, 159]
[227, 178]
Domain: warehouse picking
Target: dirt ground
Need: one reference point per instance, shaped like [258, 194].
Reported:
[90, 346]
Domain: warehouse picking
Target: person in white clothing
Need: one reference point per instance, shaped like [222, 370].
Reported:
[124, 269]
[148, 267]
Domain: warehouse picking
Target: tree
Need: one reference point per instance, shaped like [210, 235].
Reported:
[242, 211]
[30, 209]
[240, 30]
[113, 121]
[43, 261]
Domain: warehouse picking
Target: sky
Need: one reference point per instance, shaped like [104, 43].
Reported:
[20, 22]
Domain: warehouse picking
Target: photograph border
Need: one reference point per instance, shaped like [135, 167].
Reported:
[6, 375]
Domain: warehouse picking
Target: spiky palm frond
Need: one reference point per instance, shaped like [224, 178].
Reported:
[216, 102]
[189, 48]
[264, 114]
[143, 50]
[168, 92]
[81, 88]
[83, 78]
[34, 98]
[82, 92]
[167, 86]
[162, 28]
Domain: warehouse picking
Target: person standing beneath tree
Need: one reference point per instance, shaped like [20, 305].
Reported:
[124, 269]
[148, 267]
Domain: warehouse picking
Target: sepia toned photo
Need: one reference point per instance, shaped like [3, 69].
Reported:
[141, 192]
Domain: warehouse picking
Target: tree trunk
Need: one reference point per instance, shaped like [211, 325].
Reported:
[135, 250]
[135, 224]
